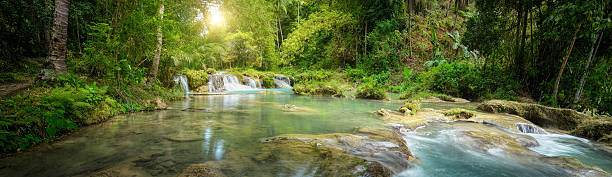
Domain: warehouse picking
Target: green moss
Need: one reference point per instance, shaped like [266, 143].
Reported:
[599, 129]
[211, 71]
[196, 78]
[446, 98]
[370, 92]
[564, 119]
[331, 88]
[458, 113]
[413, 105]
[267, 81]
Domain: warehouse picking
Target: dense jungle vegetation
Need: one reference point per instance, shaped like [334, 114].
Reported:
[67, 64]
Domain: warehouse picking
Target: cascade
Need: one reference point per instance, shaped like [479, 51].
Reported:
[528, 128]
[281, 81]
[182, 80]
[220, 82]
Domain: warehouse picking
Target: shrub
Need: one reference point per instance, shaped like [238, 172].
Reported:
[369, 90]
[196, 78]
[320, 88]
[267, 81]
[413, 105]
[456, 78]
[458, 113]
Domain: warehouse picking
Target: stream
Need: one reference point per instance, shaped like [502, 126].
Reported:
[229, 128]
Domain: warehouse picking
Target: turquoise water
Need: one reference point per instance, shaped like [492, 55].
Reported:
[228, 128]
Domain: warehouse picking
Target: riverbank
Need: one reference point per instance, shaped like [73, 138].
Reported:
[44, 112]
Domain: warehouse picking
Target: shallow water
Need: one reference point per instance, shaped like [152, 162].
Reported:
[229, 128]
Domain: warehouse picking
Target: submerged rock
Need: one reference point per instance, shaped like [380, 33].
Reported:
[208, 169]
[156, 104]
[369, 152]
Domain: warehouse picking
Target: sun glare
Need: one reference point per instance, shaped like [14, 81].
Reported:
[216, 17]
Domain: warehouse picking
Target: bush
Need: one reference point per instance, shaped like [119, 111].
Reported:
[458, 113]
[460, 79]
[412, 105]
[196, 78]
[319, 88]
[211, 71]
[371, 91]
[267, 81]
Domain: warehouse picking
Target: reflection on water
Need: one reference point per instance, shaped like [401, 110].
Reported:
[229, 128]
[165, 142]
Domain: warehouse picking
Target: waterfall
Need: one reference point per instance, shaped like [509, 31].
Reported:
[528, 128]
[281, 81]
[249, 82]
[182, 80]
[220, 82]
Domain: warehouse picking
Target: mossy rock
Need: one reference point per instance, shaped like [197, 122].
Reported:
[319, 89]
[211, 71]
[196, 78]
[412, 105]
[366, 92]
[548, 117]
[446, 98]
[458, 113]
[599, 129]
[267, 81]
[341, 154]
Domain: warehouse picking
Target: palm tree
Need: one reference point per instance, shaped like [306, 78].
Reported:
[55, 62]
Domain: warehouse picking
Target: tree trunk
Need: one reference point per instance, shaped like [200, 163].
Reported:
[298, 15]
[567, 54]
[160, 36]
[55, 62]
[594, 49]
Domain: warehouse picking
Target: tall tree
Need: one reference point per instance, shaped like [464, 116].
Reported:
[55, 62]
[160, 36]
[569, 51]
[594, 48]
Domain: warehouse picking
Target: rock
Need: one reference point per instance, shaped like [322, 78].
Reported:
[458, 113]
[290, 107]
[564, 119]
[197, 109]
[409, 121]
[156, 104]
[405, 110]
[381, 152]
[599, 129]
[184, 137]
[208, 169]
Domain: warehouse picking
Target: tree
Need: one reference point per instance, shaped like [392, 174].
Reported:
[569, 51]
[594, 48]
[160, 36]
[55, 62]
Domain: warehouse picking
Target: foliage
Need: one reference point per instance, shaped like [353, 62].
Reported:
[412, 105]
[306, 47]
[370, 90]
[196, 78]
[319, 88]
[456, 78]
[458, 113]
